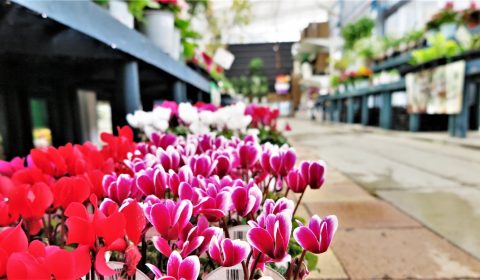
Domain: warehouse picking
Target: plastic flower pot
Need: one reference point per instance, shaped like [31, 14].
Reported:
[236, 273]
[176, 44]
[448, 30]
[117, 266]
[159, 27]
[119, 10]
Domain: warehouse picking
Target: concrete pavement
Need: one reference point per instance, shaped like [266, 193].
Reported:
[407, 208]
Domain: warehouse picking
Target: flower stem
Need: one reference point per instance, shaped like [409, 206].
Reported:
[254, 267]
[245, 270]
[286, 193]
[300, 264]
[223, 222]
[298, 204]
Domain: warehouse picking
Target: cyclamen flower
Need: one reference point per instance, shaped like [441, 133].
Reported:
[169, 158]
[48, 262]
[7, 168]
[178, 268]
[270, 235]
[201, 165]
[283, 205]
[317, 236]
[295, 181]
[31, 202]
[313, 173]
[119, 187]
[248, 155]
[169, 218]
[246, 199]
[70, 189]
[227, 252]
[283, 161]
[12, 240]
[152, 181]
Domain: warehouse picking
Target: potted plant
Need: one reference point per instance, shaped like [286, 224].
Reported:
[471, 16]
[157, 18]
[446, 21]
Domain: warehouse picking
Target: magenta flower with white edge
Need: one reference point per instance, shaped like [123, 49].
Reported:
[169, 158]
[295, 181]
[283, 161]
[317, 236]
[246, 199]
[274, 207]
[169, 218]
[248, 154]
[227, 252]
[152, 181]
[313, 173]
[201, 165]
[178, 268]
[270, 235]
[120, 187]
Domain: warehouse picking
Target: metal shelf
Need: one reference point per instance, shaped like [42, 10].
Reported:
[96, 23]
[399, 85]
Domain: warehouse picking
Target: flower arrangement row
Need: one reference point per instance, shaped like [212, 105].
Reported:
[169, 207]
[233, 120]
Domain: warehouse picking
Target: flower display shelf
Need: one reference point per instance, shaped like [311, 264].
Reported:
[100, 26]
[399, 85]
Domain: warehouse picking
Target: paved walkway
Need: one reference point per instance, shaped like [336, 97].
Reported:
[435, 212]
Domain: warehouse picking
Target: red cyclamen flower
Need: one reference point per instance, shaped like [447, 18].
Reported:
[70, 189]
[317, 236]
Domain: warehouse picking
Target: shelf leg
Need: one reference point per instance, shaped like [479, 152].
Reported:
[458, 124]
[414, 122]
[350, 110]
[127, 98]
[365, 117]
[180, 92]
[386, 111]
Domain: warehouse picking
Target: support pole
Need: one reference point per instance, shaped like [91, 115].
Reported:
[386, 111]
[458, 124]
[127, 98]
[365, 117]
[180, 92]
[414, 122]
[350, 110]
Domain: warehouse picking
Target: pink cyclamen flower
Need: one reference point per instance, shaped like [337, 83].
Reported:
[246, 199]
[152, 181]
[317, 236]
[201, 165]
[274, 207]
[119, 188]
[168, 217]
[313, 173]
[248, 154]
[7, 168]
[283, 161]
[178, 268]
[295, 181]
[227, 252]
[169, 158]
[270, 235]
